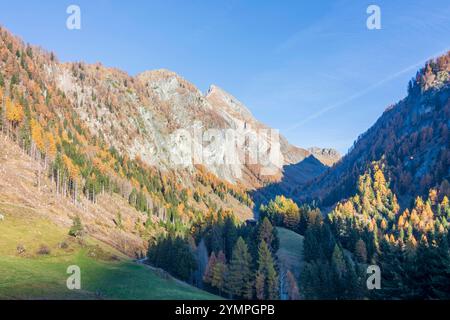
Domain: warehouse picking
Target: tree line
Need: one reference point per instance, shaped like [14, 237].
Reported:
[240, 259]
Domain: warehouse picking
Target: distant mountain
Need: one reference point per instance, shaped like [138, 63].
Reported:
[238, 115]
[141, 116]
[91, 132]
[411, 138]
[325, 155]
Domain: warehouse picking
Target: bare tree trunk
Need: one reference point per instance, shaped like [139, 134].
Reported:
[57, 182]
[75, 192]
[64, 186]
[39, 177]
[51, 178]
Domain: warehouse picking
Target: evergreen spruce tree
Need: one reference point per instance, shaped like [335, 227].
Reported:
[392, 281]
[431, 277]
[339, 268]
[239, 281]
[231, 236]
[182, 263]
[260, 286]
[216, 240]
[361, 251]
[267, 278]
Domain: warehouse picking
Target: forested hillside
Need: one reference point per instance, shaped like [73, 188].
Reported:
[386, 204]
[78, 164]
[412, 138]
[83, 146]
[410, 246]
[90, 149]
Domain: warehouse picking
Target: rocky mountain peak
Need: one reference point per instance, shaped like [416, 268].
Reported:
[327, 156]
[224, 100]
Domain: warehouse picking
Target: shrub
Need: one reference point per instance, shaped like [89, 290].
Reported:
[21, 249]
[43, 250]
[96, 252]
[63, 245]
[77, 229]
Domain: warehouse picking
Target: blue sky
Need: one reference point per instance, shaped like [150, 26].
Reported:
[308, 68]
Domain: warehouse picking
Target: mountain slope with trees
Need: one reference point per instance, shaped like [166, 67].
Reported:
[88, 147]
[412, 137]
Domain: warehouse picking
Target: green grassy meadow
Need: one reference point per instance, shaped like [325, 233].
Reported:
[290, 252]
[105, 273]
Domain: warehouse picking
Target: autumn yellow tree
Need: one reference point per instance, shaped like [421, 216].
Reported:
[433, 196]
[14, 114]
[50, 145]
[37, 135]
[71, 167]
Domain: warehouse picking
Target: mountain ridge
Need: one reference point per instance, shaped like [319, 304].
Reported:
[177, 103]
[92, 131]
[410, 137]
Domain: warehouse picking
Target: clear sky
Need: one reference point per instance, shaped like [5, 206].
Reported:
[311, 69]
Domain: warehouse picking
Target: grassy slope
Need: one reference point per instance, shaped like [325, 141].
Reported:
[108, 275]
[290, 253]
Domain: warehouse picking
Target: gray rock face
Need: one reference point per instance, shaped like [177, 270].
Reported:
[167, 122]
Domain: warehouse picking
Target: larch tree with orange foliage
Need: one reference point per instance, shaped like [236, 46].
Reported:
[14, 114]
[37, 137]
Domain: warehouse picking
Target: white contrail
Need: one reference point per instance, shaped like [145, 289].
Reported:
[363, 92]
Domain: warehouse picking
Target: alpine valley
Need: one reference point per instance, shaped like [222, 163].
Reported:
[88, 178]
